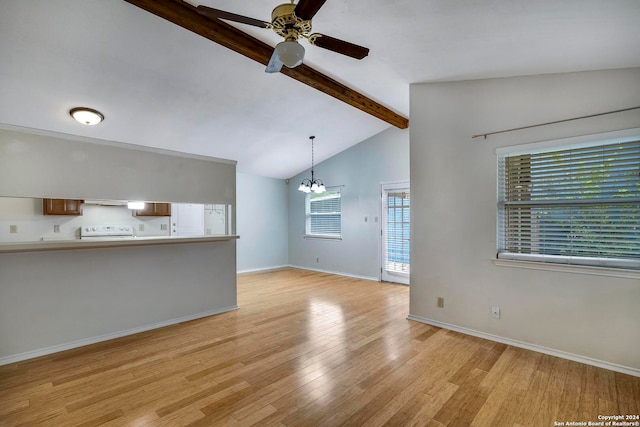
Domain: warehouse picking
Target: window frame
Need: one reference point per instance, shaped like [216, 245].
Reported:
[307, 208]
[571, 262]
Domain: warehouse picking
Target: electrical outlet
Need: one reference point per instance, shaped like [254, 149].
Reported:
[56, 228]
[317, 259]
[141, 227]
[440, 302]
[495, 312]
[376, 219]
[13, 229]
[209, 231]
[163, 227]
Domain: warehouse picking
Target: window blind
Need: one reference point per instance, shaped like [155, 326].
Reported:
[397, 242]
[324, 213]
[574, 205]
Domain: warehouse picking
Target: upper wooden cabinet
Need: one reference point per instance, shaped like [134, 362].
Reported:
[62, 207]
[155, 209]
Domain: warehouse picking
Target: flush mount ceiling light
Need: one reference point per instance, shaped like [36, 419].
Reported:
[86, 116]
[313, 184]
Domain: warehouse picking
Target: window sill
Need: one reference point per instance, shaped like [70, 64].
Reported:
[564, 268]
[315, 236]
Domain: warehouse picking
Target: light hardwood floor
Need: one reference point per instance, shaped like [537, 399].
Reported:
[309, 349]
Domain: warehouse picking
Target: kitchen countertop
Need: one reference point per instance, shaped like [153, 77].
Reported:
[57, 245]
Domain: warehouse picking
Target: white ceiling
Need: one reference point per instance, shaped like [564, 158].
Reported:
[161, 86]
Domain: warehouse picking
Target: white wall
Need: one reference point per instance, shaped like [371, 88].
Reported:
[262, 222]
[453, 184]
[51, 300]
[64, 166]
[215, 219]
[359, 170]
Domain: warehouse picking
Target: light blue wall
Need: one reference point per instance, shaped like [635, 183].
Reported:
[359, 170]
[261, 222]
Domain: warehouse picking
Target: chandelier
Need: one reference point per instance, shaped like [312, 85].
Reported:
[312, 185]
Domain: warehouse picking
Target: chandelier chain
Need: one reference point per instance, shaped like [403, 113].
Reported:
[312, 138]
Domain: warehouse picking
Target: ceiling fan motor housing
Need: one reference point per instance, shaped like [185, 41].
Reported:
[286, 24]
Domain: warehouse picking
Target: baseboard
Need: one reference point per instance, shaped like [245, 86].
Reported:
[106, 337]
[263, 269]
[338, 273]
[533, 347]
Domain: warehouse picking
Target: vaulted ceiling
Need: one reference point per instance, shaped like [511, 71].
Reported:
[160, 85]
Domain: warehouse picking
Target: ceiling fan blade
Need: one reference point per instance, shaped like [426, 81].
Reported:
[339, 46]
[306, 9]
[274, 65]
[210, 12]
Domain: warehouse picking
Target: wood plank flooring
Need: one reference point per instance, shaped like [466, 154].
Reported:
[308, 349]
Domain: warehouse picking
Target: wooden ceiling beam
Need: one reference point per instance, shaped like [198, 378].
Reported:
[185, 15]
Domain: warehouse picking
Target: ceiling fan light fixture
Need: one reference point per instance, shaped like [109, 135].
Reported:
[290, 53]
[86, 116]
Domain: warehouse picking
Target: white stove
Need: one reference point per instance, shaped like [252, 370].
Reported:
[104, 232]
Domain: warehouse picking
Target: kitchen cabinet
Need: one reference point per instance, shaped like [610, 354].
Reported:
[155, 209]
[62, 207]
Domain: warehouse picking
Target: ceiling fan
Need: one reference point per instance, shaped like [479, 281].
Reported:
[291, 21]
[186, 15]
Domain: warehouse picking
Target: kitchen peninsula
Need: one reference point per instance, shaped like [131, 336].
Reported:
[58, 245]
[58, 291]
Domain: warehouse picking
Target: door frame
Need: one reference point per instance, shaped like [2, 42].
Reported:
[386, 186]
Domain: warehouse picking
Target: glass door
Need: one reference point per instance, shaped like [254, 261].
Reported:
[395, 229]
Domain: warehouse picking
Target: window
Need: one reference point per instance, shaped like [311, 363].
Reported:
[571, 205]
[323, 213]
